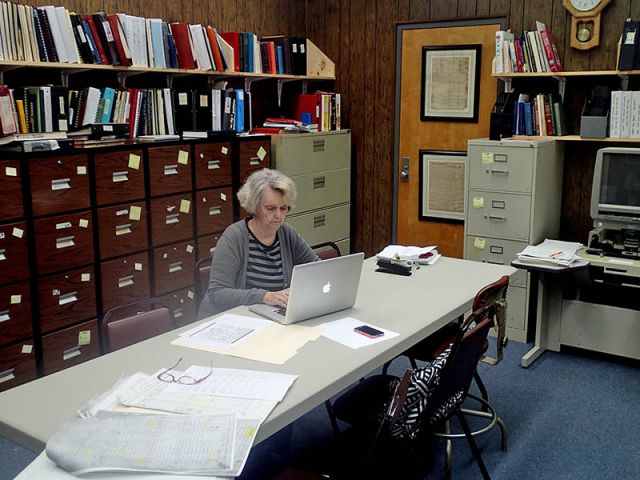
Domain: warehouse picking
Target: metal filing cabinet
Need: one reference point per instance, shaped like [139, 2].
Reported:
[513, 200]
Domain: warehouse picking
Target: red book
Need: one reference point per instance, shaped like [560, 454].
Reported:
[133, 101]
[121, 41]
[96, 38]
[180, 31]
[272, 58]
[267, 130]
[233, 39]
[548, 50]
[215, 49]
[309, 103]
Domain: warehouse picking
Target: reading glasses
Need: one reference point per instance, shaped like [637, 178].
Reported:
[167, 376]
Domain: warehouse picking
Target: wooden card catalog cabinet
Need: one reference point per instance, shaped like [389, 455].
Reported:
[11, 187]
[125, 280]
[58, 184]
[213, 165]
[122, 229]
[119, 176]
[14, 258]
[169, 170]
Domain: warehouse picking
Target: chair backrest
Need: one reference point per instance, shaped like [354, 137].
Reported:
[128, 324]
[203, 270]
[495, 294]
[326, 250]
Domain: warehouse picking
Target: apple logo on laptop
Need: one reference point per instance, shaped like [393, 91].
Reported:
[326, 288]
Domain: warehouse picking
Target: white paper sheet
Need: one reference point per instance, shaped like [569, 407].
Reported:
[225, 331]
[341, 331]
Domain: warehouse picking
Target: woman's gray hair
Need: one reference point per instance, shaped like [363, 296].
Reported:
[250, 193]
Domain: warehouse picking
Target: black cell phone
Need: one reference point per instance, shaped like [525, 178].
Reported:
[368, 331]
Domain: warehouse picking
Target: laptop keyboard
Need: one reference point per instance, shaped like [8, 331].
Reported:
[281, 311]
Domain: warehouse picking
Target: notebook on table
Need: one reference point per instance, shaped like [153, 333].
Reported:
[318, 288]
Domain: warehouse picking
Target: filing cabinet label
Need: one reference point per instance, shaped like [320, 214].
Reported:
[81, 169]
[11, 171]
[137, 267]
[183, 157]
[261, 153]
[134, 212]
[85, 277]
[84, 337]
[63, 225]
[83, 223]
[134, 161]
[189, 248]
[487, 158]
[182, 98]
[17, 232]
[16, 299]
[122, 212]
[27, 348]
[224, 150]
[185, 206]
[478, 202]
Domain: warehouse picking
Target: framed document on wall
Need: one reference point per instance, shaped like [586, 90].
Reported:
[450, 82]
[442, 185]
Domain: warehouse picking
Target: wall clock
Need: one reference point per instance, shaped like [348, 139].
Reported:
[585, 22]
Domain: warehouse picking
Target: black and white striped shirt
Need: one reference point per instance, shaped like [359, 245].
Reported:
[264, 270]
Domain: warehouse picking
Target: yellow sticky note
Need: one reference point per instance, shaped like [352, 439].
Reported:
[487, 157]
[137, 267]
[17, 232]
[83, 223]
[185, 206]
[224, 150]
[183, 157]
[135, 212]
[190, 294]
[134, 161]
[261, 153]
[27, 348]
[479, 243]
[81, 169]
[84, 337]
[85, 277]
[16, 299]
[189, 248]
[11, 171]
[478, 202]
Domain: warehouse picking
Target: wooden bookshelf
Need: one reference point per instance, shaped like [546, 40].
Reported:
[577, 138]
[586, 73]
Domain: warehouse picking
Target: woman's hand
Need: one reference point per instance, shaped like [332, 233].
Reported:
[279, 299]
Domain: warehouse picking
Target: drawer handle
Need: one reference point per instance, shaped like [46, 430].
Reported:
[501, 204]
[171, 169]
[5, 316]
[65, 242]
[496, 218]
[318, 145]
[495, 171]
[71, 353]
[123, 229]
[173, 218]
[319, 221]
[68, 298]
[213, 164]
[253, 161]
[125, 281]
[3, 255]
[494, 262]
[177, 313]
[215, 210]
[319, 182]
[7, 375]
[120, 177]
[61, 184]
[175, 267]
[496, 249]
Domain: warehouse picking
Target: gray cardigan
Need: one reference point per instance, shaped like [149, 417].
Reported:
[228, 278]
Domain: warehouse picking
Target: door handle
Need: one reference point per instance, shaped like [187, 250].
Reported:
[404, 173]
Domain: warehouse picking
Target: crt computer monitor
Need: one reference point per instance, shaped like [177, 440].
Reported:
[615, 193]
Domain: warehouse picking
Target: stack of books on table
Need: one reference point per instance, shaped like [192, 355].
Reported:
[552, 252]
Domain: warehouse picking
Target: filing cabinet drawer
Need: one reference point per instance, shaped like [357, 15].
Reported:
[214, 210]
[70, 347]
[59, 184]
[312, 153]
[119, 177]
[14, 257]
[253, 155]
[497, 251]
[122, 229]
[67, 298]
[322, 225]
[207, 244]
[15, 313]
[183, 305]
[320, 190]
[174, 266]
[516, 307]
[63, 242]
[125, 280]
[11, 188]
[498, 214]
[213, 165]
[171, 219]
[169, 170]
[503, 168]
[17, 365]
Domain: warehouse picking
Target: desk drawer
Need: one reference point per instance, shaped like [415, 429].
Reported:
[497, 251]
[17, 365]
[11, 188]
[321, 226]
[122, 229]
[63, 242]
[14, 259]
[169, 170]
[498, 215]
[70, 347]
[507, 169]
[303, 154]
[59, 184]
[67, 298]
[207, 244]
[125, 280]
[119, 177]
[15, 313]
[174, 266]
[183, 305]
[213, 165]
[320, 190]
[253, 155]
[171, 219]
[214, 210]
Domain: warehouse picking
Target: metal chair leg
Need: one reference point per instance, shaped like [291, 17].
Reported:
[448, 453]
[473, 445]
[483, 390]
[332, 418]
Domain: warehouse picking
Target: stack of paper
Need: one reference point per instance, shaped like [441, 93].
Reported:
[553, 252]
[409, 255]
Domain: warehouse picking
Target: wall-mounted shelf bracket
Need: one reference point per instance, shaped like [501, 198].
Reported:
[122, 78]
[172, 76]
[66, 74]
[248, 81]
[562, 85]
[625, 80]
[281, 82]
[508, 84]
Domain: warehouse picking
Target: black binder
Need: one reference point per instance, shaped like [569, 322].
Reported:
[629, 45]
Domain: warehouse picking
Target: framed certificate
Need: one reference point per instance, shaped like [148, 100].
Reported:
[442, 185]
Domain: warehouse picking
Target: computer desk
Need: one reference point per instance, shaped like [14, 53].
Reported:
[414, 306]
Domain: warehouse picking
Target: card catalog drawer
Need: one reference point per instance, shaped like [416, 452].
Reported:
[15, 313]
[253, 155]
[63, 242]
[17, 365]
[499, 215]
[207, 244]
[122, 229]
[11, 188]
[321, 190]
[59, 184]
[508, 169]
[70, 347]
[67, 298]
[497, 251]
[14, 259]
[182, 304]
[174, 266]
[124, 280]
[169, 170]
[214, 210]
[313, 153]
[322, 226]
[213, 164]
[171, 219]
[119, 176]
[516, 307]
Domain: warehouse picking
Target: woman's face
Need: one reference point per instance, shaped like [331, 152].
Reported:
[272, 210]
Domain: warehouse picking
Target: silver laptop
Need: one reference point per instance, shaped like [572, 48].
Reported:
[318, 288]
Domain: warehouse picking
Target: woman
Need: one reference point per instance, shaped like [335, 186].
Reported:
[254, 257]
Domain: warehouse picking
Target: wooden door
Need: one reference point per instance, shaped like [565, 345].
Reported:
[415, 135]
